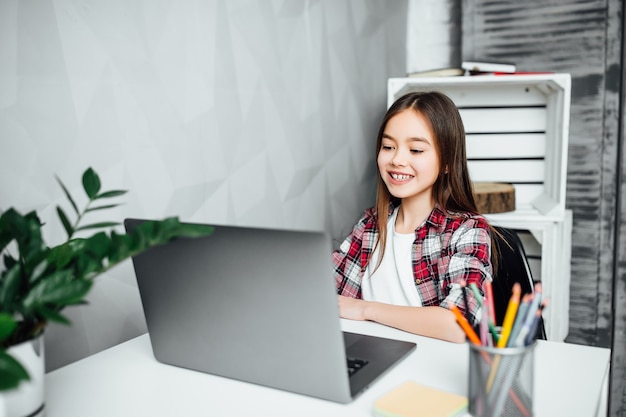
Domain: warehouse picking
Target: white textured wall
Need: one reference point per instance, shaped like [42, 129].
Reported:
[434, 34]
[229, 111]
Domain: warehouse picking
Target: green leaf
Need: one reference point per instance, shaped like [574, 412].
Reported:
[51, 315]
[66, 223]
[60, 256]
[11, 280]
[68, 195]
[11, 372]
[25, 230]
[122, 247]
[98, 225]
[101, 207]
[195, 230]
[97, 248]
[97, 245]
[59, 288]
[89, 267]
[109, 194]
[91, 183]
[31, 243]
[38, 271]
[7, 325]
[6, 228]
[9, 261]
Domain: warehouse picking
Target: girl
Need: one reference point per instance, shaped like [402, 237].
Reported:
[423, 242]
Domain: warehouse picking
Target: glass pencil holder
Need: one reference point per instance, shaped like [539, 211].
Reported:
[501, 381]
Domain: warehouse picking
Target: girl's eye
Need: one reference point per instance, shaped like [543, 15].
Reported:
[416, 151]
[387, 147]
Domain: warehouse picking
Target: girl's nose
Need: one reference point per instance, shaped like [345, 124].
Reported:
[399, 159]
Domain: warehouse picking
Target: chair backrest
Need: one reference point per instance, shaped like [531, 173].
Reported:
[512, 267]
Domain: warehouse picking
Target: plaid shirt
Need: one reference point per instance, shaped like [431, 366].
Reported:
[446, 250]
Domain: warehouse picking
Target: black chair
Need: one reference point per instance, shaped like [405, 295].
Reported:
[512, 267]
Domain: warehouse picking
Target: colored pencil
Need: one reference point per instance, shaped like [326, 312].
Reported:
[473, 337]
[487, 306]
[520, 319]
[471, 334]
[484, 327]
[509, 316]
[489, 297]
[532, 331]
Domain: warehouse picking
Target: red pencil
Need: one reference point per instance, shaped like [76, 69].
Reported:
[489, 297]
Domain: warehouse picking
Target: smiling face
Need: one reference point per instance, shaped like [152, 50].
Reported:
[408, 159]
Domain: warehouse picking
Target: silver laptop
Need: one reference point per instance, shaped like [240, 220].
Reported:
[257, 305]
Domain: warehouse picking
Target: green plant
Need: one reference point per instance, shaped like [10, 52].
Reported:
[38, 281]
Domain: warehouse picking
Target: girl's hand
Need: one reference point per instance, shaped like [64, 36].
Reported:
[351, 308]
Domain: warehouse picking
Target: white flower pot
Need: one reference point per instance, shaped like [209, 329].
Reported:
[27, 400]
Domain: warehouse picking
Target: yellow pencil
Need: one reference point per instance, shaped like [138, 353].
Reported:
[509, 316]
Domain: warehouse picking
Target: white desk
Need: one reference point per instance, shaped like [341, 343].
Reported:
[126, 380]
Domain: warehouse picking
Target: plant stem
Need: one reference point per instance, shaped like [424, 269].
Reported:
[79, 218]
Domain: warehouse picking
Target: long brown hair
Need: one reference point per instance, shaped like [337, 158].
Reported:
[452, 190]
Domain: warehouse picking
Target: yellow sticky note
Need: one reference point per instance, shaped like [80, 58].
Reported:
[416, 400]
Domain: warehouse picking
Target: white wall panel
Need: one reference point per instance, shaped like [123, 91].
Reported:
[240, 112]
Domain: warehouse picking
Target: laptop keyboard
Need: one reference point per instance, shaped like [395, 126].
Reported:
[355, 365]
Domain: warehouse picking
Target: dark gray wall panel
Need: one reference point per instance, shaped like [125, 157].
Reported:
[586, 39]
[565, 36]
[616, 81]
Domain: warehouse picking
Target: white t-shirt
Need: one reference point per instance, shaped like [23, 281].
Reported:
[392, 282]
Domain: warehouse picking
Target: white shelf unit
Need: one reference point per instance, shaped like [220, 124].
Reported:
[552, 267]
[517, 129]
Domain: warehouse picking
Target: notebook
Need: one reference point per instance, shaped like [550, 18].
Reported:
[257, 305]
[413, 399]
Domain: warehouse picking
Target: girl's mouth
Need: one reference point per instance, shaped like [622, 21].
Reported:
[400, 177]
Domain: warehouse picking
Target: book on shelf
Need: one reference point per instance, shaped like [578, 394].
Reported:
[522, 73]
[487, 67]
[438, 72]
[510, 73]
[412, 399]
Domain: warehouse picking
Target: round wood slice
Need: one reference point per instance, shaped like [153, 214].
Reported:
[494, 197]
